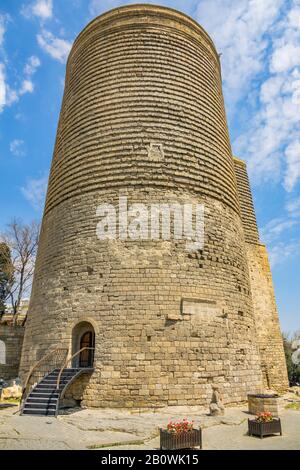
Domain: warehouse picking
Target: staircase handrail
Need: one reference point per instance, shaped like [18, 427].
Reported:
[38, 363]
[66, 363]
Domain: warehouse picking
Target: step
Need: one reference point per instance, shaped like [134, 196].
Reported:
[48, 390]
[43, 397]
[45, 404]
[36, 393]
[53, 383]
[54, 379]
[45, 393]
[38, 406]
[65, 371]
[67, 374]
[38, 412]
[45, 385]
[42, 400]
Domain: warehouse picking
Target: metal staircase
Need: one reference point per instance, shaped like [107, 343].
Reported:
[43, 400]
[46, 385]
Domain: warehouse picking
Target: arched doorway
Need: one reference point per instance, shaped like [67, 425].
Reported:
[83, 343]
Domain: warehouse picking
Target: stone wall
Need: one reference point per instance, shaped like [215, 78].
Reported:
[246, 202]
[264, 303]
[261, 403]
[11, 339]
[132, 291]
[266, 319]
[143, 115]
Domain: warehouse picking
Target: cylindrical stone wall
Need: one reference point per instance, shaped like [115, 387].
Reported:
[143, 116]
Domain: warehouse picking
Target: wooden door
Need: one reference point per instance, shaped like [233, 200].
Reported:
[86, 356]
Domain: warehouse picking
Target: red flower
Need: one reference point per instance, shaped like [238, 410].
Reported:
[264, 417]
[180, 426]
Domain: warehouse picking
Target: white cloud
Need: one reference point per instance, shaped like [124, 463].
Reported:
[55, 47]
[294, 17]
[285, 57]
[261, 37]
[279, 233]
[42, 9]
[270, 89]
[281, 252]
[271, 143]
[17, 148]
[276, 227]
[32, 65]
[292, 173]
[9, 95]
[239, 29]
[35, 192]
[293, 207]
[26, 87]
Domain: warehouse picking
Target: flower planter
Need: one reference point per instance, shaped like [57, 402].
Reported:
[261, 429]
[183, 440]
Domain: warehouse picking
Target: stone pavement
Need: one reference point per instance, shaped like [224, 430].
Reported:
[234, 437]
[123, 429]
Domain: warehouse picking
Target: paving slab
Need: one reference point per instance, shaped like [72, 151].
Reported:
[235, 437]
[29, 444]
[137, 429]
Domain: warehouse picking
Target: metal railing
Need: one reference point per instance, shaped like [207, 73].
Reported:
[70, 359]
[49, 362]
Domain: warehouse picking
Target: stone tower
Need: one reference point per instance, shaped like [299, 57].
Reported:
[143, 117]
[269, 337]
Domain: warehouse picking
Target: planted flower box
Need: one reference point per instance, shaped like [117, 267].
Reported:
[180, 435]
[264, 425]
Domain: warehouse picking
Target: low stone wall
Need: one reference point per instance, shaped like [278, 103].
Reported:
[261, 403]
[11, 340]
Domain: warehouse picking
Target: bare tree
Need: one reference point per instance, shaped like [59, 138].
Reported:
[22, 240]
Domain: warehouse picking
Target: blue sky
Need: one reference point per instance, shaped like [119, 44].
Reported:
[260, 45]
